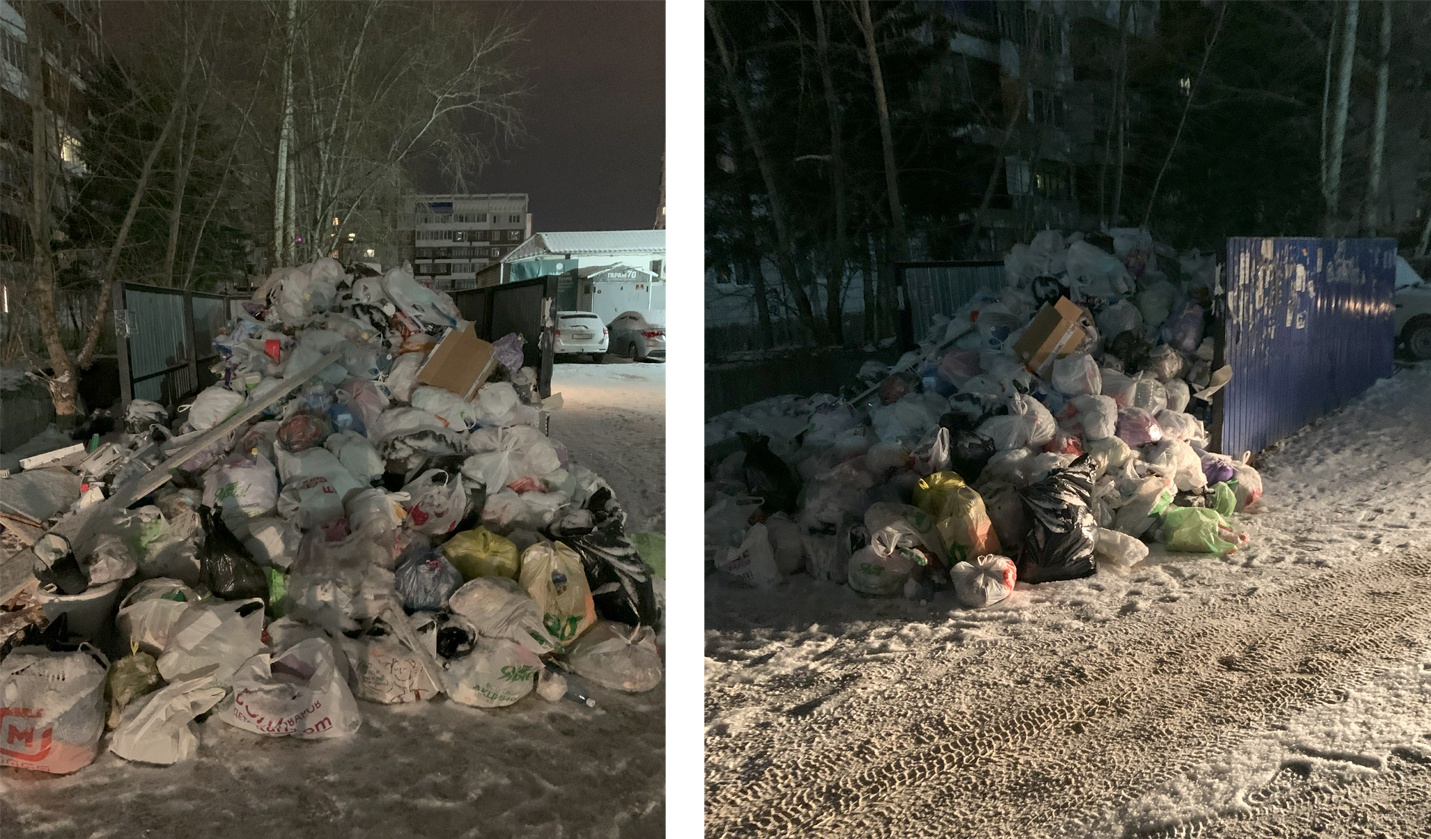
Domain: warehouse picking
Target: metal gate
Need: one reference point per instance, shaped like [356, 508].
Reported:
[165, 341]
[527, 308]
[1308, 326]
[940, 288]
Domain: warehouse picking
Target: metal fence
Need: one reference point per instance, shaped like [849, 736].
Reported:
[165, 345]
[940, 288]
[1308, 326]
[527, 308]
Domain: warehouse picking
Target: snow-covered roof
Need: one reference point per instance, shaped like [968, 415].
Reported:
[590, 243]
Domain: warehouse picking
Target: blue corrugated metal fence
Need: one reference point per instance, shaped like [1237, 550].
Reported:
[1308, 326]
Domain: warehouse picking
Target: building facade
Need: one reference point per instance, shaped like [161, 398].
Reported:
[69, 32]
[450, 238]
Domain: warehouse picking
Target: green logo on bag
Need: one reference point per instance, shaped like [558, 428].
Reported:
[233, 490]
[519, 674]
[562, 629]
[871, 569]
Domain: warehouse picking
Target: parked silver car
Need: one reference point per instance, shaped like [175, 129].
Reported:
[580, 333]
[634, 336]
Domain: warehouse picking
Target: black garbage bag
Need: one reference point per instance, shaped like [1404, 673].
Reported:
[619, 579]
[768, 477]
[1058, 544]
[1048, 289]
[61, 570]
[969, 453]
[1133, 347]
[225, 565]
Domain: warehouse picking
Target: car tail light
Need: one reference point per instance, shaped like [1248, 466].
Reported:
[603, 332]
[653, 333]
[558, 333]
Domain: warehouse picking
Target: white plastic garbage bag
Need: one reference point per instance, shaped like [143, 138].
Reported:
[422, 304]
[507, 510]
[1179, 394]
[148, 613]
[243, 487]
[339, 585]
[506, 455]
[52, 709]
[391, 668]
[159, 727]
[753, 562]
[500, 608]
[1118, 549]
[213, 633]
[437, 502]
[315, 484]
[108, 559]
[356, 453]
[376, 514]
[1077, 375]
[786, 543]
[1099, 273]
[298, 693]
[618, 657]
[1042, 426]
[402, 377]
[454, 411]
[271, 540]
[1009, 432]
[1047, 253]
[1099, 416]
[497, 404]
[312, 346]
[495, 673]
[1177, 461]
[213, 405]
[984, 581]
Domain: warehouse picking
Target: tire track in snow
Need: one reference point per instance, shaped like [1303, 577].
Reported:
[1046, 737]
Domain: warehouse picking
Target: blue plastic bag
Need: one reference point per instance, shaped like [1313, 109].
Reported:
[426, 581]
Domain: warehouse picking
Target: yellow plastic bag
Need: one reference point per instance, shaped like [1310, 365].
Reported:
[959, 514]
[481, 553]
[553, 575]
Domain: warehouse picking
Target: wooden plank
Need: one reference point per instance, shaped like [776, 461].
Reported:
[160, 475]
[51, 457]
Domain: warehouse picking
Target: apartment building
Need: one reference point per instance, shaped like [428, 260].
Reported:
[450, 238]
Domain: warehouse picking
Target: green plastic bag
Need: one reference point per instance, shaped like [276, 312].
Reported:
[130, 678]
[652, 549]
[1198, 530]
[481, 553]
[1224, 500]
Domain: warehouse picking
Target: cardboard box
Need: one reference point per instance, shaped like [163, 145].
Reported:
[1054, 333]
[461, 362]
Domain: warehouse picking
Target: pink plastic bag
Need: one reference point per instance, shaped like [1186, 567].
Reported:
[1137, 427]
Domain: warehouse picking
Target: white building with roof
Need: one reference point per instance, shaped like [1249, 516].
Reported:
[599, 270]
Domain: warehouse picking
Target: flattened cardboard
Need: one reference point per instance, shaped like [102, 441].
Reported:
[461, 363]
[1054, 333]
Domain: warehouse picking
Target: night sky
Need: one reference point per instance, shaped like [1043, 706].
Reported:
[596, 114]
[596, 118]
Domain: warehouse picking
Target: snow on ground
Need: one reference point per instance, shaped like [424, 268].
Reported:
[435, 769]
[613, 420]
[1283, 690]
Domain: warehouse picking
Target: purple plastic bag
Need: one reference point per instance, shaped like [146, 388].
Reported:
[1137, 427]
[1217, 468]
[508, 351]
[1184, 332]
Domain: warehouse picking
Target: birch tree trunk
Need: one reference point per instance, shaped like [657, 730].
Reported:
[285, 132]
[834, 283]
[891, 170]
[1332, 223]
[1378, 141]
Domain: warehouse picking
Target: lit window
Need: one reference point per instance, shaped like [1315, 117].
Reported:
[352, 237]
[335, 221]
[1186, 84]
[370, 253]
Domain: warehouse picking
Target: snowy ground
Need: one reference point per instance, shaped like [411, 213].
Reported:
[1284, 690]
[436, 769]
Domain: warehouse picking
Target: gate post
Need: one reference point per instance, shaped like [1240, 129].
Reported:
[121, 346]
[189, 338]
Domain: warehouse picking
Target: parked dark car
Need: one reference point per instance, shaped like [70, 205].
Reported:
[634, 336]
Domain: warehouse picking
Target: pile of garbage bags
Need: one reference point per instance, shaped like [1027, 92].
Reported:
[364, 537]
[1053, 425]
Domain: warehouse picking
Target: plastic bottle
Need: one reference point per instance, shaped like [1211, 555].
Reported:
[576, 691]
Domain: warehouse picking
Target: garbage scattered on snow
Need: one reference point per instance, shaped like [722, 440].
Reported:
[395, 527]
[1053, 425]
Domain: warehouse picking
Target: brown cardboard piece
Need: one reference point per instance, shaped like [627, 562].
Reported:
[461, 363]
[1054, 333]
